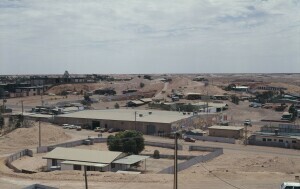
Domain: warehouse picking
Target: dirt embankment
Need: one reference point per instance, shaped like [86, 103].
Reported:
[28, 137]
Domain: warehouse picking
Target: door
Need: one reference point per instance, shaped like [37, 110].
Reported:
[151, 129]
[95, 124]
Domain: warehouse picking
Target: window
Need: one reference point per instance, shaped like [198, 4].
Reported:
[280, 140]
[90, 168]
[270, 140]
[264, 139]
[113, 165]
[77, 167]
[54, 162]
[293, 141]
[275, 140]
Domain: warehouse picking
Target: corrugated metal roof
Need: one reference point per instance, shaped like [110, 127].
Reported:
[84, 163]
[128, 115]
[76, 154]
[129, 160]
[226, 127]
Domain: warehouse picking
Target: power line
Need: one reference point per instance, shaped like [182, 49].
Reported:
[226, 182]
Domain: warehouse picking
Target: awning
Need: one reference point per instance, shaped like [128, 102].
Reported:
[132, 159]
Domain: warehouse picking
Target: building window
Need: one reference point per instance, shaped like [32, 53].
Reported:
[287, 141]
[264, 139]
[293, 141]
[54, 162]
[275, 140]
[269, 140]
[280, 140]
[113, 165]
[90, 168]
[77, 167]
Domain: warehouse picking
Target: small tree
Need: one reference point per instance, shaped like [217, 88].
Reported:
[129, 141]
[142, 84]
[156, 154]
[117, 106]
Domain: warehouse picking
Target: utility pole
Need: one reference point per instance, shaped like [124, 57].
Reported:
[135, 120]
[40, 136]
[22, 107]
[246, 135]
[175, 161]
[85, 178]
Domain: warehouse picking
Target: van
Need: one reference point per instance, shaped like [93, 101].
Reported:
[290, 185]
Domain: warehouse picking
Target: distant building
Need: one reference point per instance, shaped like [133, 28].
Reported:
[146, 121]
[226, 131]
[275, 140]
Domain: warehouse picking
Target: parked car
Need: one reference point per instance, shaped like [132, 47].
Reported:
[65, 126]
[72, 127]
[97, 129]
[103, 130]
[188, 139]
[247, 122]
[78, 128]
[290, 185]
[111, 130]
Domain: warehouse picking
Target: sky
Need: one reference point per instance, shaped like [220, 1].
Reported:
[149, 36]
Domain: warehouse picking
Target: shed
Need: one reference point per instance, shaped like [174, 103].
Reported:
[226, 131]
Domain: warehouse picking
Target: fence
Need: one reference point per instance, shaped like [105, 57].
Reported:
[16, 156]
[184, 165]
[163, 145]
[39, 186]
[213, 139]
[44, 149]
[274, 144]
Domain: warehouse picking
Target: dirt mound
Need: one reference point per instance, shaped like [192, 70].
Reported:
[28, 137]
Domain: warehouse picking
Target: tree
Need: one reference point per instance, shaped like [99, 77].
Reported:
[117, 106]
[156, 154]
[147, 77]
[142, 84]
[293, 111]
[129, 141]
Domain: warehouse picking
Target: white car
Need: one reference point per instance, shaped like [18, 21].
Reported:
[66, 126]
[290, 185]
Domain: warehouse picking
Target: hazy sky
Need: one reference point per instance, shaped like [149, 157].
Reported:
[149, 36]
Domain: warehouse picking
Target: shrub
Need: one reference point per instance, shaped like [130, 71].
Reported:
[156, 154]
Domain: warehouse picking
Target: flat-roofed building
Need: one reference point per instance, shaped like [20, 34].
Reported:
[145, 121]
[226, 131]
[275, 140]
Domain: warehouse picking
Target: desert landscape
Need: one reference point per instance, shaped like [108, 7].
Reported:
[240, 166]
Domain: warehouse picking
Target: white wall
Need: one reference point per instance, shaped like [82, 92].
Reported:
[66, 167]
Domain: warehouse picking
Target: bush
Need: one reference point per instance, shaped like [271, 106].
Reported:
[142, 85]
[117, 106]
[156, 154]
[129, 141]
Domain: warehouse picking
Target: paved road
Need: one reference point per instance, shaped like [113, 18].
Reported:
[234, 147]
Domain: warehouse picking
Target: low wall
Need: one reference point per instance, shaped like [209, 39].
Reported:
[165, 156]
[163, 145]
[273, 144]
[39, 186]
[203, 148]
[44, 149]
[184, 165]
[213, 139]
[16, 156]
